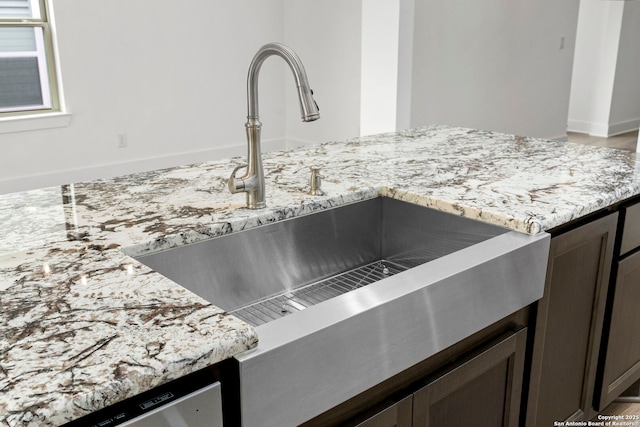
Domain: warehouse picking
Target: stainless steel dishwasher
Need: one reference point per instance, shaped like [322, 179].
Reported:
[191, 401]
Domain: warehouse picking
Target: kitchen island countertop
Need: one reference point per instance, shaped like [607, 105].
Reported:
[84, 325]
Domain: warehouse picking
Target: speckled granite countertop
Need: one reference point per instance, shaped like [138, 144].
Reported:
[83, 325]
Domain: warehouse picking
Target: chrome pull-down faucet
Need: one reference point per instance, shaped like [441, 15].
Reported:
[252, 182]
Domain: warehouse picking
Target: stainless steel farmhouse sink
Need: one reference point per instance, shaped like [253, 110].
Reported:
[344, 298]
[265, 273]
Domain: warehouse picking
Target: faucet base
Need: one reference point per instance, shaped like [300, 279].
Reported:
[253, 204]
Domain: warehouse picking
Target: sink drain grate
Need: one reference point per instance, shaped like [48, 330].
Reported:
[289, 302]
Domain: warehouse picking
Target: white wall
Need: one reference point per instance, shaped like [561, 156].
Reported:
[379, 88]
[495, 64]
[605, 91]
[625, 102]
[175, 83]
[173, 80]
[405, 63]
[594, 67]
[326, 36]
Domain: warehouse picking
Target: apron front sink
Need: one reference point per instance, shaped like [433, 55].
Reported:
[345, 298]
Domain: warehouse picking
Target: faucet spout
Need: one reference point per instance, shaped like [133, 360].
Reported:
[308, 107]
[252, 182]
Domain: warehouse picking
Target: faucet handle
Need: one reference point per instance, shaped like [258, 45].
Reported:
[236, 185]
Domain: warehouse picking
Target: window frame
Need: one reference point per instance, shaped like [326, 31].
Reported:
[47, 65]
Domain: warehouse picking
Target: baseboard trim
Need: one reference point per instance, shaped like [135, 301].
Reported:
[624, 127]
[603, 130]
[590, 128]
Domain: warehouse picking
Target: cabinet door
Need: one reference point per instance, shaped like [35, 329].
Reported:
[396, 414]
[483, 391]
[569, 324]
[622, 357]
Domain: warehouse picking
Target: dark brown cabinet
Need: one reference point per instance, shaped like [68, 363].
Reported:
[484, 389]
[394, 414]
[620, 358]
[569, 324]
[621, 361]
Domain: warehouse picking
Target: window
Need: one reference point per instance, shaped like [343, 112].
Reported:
[27, 69]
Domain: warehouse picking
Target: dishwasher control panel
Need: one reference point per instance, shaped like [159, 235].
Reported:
[191, 401]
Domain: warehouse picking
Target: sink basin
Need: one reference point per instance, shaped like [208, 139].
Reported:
[348, 297]
[265, 273]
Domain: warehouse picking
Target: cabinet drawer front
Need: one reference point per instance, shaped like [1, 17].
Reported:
[631, 230]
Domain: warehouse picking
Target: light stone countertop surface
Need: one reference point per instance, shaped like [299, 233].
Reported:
[83, 325]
